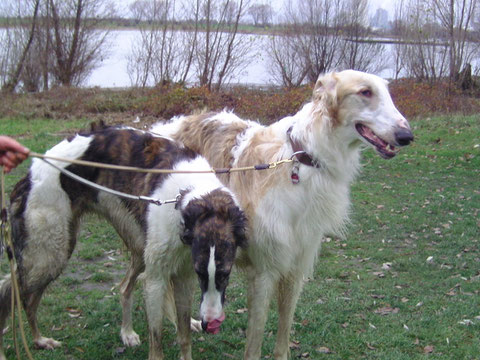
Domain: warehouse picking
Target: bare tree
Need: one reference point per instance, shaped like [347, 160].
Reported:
[456, 18]
[422, 49]
[21, 40]
[78, 40]
[437, 38]
[287, 68]
[359, 52]
[312, 43]
[209, 52]
[160, 54]
[220, 51]
[261, 14]
[53, 41]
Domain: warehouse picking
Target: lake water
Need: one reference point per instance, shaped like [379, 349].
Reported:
[113, 72]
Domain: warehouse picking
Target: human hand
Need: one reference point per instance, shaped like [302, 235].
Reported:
[11, 153]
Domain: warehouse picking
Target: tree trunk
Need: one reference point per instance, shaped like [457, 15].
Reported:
[13, 82]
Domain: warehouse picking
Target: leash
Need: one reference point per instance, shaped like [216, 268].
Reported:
[6, 238]
[151, 200]
[271, 165]
[111, 191]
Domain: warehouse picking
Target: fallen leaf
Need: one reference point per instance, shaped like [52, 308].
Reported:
[305, 355]
[370, 347]
[120, 350]
[242, 311]
[73, 313]
[428, 349]
[387, 266]
[305, 322]
[386, 310]
[323, 350]
[294, 344]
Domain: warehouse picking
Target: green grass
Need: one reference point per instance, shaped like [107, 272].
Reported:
[374, 295]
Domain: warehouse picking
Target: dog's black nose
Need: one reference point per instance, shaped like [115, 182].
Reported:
[403, 137]
[204, 325]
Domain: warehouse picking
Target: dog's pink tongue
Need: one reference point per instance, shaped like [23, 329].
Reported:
[213, 327]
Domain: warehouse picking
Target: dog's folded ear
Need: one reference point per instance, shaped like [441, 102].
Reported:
[239, 223]
[325, 88]
[195, 211]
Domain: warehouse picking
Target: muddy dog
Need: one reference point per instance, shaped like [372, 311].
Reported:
[200, 234]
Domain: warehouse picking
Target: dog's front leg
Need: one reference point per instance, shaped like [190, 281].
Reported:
[155, 293]
[260, 288]
[128, 335]
[289, 289]
[183, 293]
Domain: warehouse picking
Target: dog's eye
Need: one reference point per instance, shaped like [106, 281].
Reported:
[366, 92]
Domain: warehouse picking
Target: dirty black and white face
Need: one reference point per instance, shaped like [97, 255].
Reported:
[214, 229]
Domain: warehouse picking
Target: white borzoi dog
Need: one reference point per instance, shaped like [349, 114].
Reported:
[199, 234]
[293, 206]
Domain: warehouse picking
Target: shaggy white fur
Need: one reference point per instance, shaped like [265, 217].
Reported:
[288, 219]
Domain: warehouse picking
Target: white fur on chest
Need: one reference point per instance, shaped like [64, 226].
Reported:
[289, 224]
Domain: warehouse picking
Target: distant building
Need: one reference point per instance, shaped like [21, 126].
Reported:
[380, 19]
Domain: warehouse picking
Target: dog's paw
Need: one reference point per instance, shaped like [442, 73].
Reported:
[130, 338]
[195, 325]
[46, 343]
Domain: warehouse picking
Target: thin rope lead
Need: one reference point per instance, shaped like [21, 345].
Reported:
[108, 190]
[14, 289]
[271, 165]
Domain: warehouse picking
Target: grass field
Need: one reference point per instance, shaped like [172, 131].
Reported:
[403, 284]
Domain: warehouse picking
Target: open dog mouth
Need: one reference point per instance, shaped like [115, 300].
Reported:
[386, 150]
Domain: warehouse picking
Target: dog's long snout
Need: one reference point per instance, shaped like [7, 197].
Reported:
[403, 136]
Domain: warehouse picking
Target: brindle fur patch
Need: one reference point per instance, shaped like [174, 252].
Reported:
[18, 201]
[123, 147]
[214, 220]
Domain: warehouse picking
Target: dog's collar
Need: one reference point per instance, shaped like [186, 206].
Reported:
[300, 154]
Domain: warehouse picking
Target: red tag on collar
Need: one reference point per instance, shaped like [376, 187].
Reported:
[295, 178]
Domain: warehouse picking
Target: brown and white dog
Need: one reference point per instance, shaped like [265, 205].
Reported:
[200, 234]
[293, 206]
